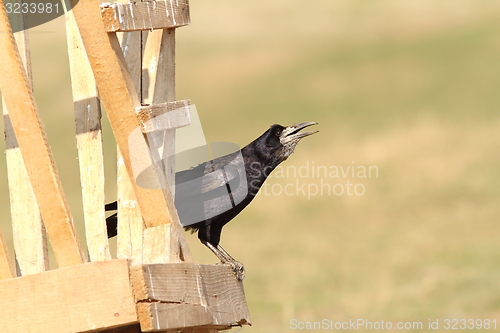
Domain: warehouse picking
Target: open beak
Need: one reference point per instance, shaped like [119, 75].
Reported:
[293, 134]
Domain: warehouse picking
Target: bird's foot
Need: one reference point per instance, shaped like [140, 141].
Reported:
[237, 267]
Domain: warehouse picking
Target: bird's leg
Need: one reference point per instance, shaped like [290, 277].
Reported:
[224, 252]
[225, 258]
[237, 266]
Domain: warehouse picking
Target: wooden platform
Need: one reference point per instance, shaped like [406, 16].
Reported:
[107, 294]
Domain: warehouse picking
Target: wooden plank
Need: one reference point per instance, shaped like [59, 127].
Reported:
[120, 100]
[131, 45]
[31, 137]
[163, 316]
[7, 269]
[170, 115]
[174, 296]
[29, 237]
[87, 110]
[80, 298]
[155, 239]
[164, 91]
[158, 87]
[150, 62]
[225, 295]
[164, 87]
[147, 15]
[130, 223]
[158, 121]
[156, 244]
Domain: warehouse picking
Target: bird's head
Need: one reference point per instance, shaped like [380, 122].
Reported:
[280, 141]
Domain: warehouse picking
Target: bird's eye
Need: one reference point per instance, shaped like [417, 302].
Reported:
[278, 132]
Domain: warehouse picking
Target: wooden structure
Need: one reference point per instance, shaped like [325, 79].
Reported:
[123, 56]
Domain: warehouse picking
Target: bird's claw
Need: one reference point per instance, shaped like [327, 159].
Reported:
[238, 269]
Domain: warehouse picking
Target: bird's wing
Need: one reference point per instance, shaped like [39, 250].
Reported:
[210, 189]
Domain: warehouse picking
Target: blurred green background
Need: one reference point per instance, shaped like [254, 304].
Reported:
[408, 86]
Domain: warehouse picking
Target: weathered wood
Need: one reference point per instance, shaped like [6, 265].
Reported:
[80, 298]
[164, 91]
[158, 86]
[147, 15]
[156, 244]
[164, 88]
[162, 316]
[29, 237]
[131, 45]
[159, 117]
[174, 296]
[120, 100]
[130, 223]
[31, 137]
[87, 110]
[150, 63]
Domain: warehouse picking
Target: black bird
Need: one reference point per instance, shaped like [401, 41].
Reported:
[213, 193]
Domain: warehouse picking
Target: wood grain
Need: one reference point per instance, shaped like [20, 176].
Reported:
[147, 15]
[87, 110]
[163, 87]
[130, 223]
[173, 296]
[29, 237]
[80, 298]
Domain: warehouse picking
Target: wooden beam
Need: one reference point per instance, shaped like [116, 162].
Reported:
[89, 143]
[29, 236]
[150, 63]
[31, 137]
[147, 15]
[175, 296]
[120, 100]
[170, 115]
[130, 223]
[158, 92]
[88, 297]
[156, 245]
[161, 90]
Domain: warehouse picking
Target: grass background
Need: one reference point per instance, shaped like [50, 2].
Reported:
[411, 87]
